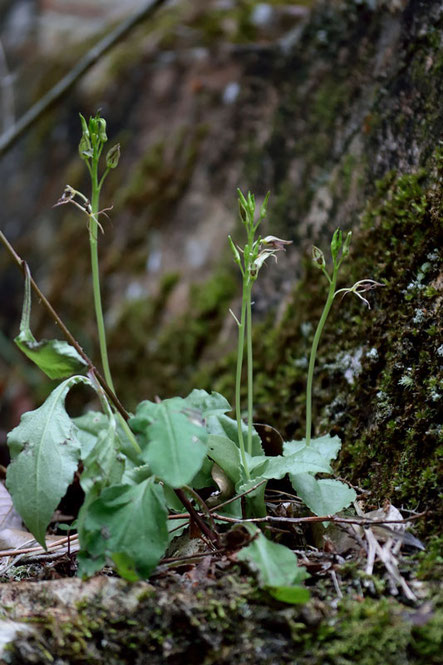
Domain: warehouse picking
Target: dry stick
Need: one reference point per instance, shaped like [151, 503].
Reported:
[194, 515]
[60, 89]
[315, 518]
[179, 516]
[28, 550]
[204, 507]
[22, 264]
[200, 555]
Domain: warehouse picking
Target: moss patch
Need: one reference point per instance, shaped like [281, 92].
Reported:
[228, 621]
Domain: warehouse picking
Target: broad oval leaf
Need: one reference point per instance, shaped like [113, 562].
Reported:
[227, 427]
[323, 497]
[171, 445]
[325, 446]
[90, 425]
[226, 454]
[126, 523]
[45, 453]
[305, 460]
[293, 595]
[276, 565]
[104, 465]
[212, 404]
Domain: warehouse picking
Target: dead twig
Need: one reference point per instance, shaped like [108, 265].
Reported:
[68, 335]
[39, 549]
[314, 518]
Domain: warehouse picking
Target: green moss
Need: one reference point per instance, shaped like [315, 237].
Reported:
[227, 621]
[388, 417]
[161, 176]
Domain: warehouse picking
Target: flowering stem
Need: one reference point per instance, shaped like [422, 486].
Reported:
[318, 332]
[250, 366]
[240, 350]
[93, 237]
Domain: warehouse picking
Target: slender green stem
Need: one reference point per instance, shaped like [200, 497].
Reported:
[240, 350]
[314, 347]
[93, 233]
[250, 366]
[129, 433]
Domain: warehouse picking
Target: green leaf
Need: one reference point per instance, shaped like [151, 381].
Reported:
[275, 564]
[45, 453]
[89, 427]
[303, 461]
[147, 412]
[171, 445]
[56, 358]
[326, 447]
[227, 427]
[323, 497]
[212, 404]
[255, 500]
[104, 465]
[203, 477]
[127, 524]
[226, 454]
[292, 595]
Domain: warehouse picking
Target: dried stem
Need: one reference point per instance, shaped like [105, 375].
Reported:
[71, 339]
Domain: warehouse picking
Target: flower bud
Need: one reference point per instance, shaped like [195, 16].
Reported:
[101, 128]
[318, 258]
[85, 148]
[347, 243]
[264, 206]
[85, 129]
[113, 156]
[235, 251]
[336, 243]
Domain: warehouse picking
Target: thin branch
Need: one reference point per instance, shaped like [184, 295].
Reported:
[180, 516]
[67, 82]
[39, 549]
[315, 518]
[196, 517]
[200, 555]
[71, 339]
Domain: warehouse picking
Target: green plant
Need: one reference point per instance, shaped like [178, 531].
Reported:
[339, 251]
[255, 252]
[140, 470]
